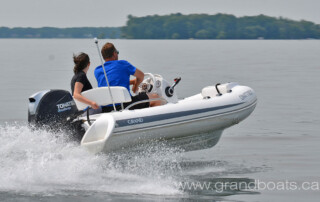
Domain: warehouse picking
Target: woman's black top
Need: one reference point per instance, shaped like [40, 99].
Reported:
[82, 78]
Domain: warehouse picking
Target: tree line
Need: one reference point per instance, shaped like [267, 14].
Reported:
[178, 26]
[219, 26]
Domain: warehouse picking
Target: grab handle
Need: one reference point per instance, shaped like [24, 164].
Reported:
[218, 89]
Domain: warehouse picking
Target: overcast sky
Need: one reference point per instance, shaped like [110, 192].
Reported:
[107, 13]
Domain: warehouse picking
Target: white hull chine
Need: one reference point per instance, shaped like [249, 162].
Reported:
[193, 123]
[193, 134]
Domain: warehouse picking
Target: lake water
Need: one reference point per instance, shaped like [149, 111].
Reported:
[274, 155]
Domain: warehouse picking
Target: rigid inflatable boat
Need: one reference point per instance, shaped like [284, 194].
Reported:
[192, 123]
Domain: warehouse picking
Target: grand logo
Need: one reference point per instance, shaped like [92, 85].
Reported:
[246, 94]
[65, 106]
[135, 121]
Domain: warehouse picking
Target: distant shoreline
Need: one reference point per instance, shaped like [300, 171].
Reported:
[178, 26]
[67, 33]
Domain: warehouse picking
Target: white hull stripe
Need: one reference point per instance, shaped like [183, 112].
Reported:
[168, 117]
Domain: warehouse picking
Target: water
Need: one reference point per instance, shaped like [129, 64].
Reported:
[277, 146]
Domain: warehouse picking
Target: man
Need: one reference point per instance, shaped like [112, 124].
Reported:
[118, 73]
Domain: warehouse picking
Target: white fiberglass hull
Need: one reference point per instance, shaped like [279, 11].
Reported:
[193, 123]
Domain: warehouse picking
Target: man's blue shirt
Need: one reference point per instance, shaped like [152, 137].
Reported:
[118, 73]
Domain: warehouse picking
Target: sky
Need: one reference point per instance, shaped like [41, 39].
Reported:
[107, 13]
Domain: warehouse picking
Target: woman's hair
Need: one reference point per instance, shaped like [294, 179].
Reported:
[81, 61]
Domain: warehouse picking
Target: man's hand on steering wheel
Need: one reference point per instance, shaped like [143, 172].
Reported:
[133, 82]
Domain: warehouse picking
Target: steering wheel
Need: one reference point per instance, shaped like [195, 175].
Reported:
[148, 83]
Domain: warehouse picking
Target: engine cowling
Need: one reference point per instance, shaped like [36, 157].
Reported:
[50, 109]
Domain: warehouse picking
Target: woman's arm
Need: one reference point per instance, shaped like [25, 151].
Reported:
[77, 95]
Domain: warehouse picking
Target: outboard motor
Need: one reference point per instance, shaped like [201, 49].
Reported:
[53, 109]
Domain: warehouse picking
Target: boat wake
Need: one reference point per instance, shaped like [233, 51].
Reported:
[48, 163]
[37, 162]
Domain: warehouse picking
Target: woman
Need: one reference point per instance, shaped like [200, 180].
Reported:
[79, 81]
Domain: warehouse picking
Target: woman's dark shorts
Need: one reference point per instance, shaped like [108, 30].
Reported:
[137, 98]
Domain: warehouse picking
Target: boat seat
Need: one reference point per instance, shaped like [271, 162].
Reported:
[102, 97]
[211, 91]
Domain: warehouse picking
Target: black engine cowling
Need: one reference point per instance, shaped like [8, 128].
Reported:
[51, 109]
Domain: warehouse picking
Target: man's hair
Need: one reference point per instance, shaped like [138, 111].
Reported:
[107, 50]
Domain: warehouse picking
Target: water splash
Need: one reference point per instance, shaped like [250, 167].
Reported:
[36, 162]
[43, 162]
